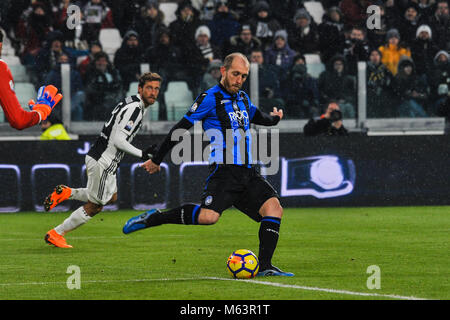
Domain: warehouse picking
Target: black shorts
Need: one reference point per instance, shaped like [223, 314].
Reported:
[238, 186]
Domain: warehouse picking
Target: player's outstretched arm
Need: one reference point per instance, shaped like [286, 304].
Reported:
[152, 165]
[18, 117]
[265, 119]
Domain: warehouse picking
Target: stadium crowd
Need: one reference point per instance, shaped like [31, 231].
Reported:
[408, 68]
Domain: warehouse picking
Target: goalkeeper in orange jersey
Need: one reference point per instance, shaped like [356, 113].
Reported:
[47, 98]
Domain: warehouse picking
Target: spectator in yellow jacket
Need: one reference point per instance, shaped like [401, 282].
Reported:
[53, 129]
[392, 52]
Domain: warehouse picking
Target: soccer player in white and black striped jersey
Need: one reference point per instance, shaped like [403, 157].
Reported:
[103, 160]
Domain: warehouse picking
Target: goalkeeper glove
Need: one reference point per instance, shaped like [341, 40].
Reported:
[149, 152]
[47, 99]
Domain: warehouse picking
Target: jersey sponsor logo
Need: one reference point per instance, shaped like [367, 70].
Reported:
[239, 119]
[129, 125]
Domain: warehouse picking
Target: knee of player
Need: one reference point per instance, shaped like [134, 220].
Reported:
[277, 210]
[113, 199]
[92, 209]
[272, 208]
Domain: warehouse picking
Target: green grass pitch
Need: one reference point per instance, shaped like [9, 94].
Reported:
[328, 249]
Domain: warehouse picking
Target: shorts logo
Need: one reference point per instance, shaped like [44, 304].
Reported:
[208, 200]
[129, 125]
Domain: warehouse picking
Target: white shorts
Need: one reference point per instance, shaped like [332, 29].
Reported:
[101, 184]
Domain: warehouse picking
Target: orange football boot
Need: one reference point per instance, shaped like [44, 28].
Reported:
[60, 194]
[53, 238]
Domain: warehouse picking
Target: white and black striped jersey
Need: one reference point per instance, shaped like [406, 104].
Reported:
[118, 133]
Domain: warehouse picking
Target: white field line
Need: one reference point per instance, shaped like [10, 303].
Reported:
[292, 286]
[252, 281]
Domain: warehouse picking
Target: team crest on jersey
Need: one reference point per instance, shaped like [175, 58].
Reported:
[129, 125]
[198, 102]
[11, 84]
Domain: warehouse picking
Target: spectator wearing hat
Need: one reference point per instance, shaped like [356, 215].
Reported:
[378, 82]
[331, 34]
[165, 57]
[148, 22]
[212, 75]
[336, 84]
[423, 49]
[244, 42]
[47, 57]
[304, 34]
[356, 49]
[103, 88]
[409, 22]
[391, 52]
[31, 31]
[128, 58]
[264, 24]
[280, 54]
[223, 25]
[198, 57]
[440, 25]
[301, 91]
[410, 90]
[202, 40]
[439, 79]
[182, 30]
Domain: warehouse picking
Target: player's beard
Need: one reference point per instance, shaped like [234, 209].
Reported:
[149, 100]
[229, 86]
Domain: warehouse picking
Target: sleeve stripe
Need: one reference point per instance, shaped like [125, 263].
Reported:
[135, 114]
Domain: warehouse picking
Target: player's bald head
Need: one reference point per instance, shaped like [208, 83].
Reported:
[229, 59]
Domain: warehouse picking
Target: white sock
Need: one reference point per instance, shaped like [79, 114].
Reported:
[79, 194]
[76, 219]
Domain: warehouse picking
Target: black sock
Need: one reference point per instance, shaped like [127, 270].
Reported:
[186, 214]
[268, 238]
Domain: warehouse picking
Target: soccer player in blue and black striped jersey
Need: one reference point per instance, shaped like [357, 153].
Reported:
[233, 181]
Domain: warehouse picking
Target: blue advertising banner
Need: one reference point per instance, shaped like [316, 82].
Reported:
[322, 171]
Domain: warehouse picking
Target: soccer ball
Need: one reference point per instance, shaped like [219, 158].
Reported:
[242, 264]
